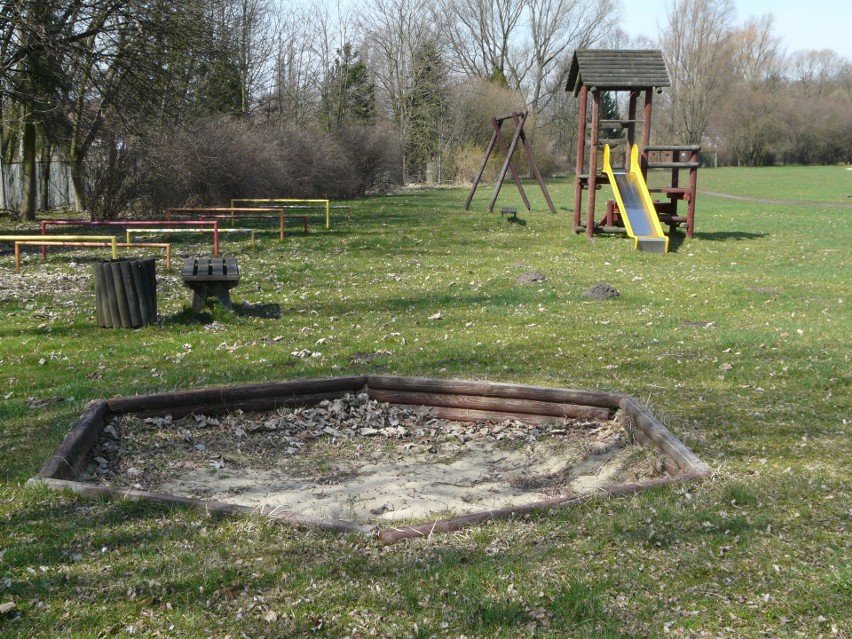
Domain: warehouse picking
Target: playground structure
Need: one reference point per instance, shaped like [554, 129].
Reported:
[290, 203]
[640, 73]
[165, 226]
[129, 233]
[59, 240]
[236, 213]
[90, 244]
[519, 118]
[260, 216]
[635, 203]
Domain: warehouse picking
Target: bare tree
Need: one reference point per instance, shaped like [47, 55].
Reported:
[555, 27]
[479, 33]
[757, 53]
[697, 51]
[257, 47]
[818, 73]
[297, 74]
[36, 40]
[403, 55]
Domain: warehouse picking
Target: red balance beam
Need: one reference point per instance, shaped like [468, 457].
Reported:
[260, 216]
[228, 209]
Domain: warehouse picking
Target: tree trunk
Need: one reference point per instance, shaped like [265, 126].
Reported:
[78, 182]
[28, 173]
[46, 157]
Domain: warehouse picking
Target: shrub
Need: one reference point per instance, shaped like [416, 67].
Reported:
[222, 157]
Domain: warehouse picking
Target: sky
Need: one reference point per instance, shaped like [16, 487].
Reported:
[801, 24]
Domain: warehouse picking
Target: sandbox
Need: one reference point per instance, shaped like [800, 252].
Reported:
[394, 456]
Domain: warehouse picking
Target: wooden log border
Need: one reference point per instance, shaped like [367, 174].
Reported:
[449, 399]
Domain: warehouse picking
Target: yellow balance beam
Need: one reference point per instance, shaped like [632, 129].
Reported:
[162, 245]
[327, 204]
[64, 238]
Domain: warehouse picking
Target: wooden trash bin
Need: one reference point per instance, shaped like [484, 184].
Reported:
[126, 292]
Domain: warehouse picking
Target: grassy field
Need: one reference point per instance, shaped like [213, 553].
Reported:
[738, 340]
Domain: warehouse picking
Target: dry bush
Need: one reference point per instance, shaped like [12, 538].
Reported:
[113, 178]
[375, 158]
[472, 106]
[220, 158]
[816, 132]
[462, 165]
[475, 105]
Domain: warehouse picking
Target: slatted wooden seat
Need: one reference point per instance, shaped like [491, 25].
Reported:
[208, 276]
[511, 211]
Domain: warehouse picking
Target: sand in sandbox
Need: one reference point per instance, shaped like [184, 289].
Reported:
[409, 468]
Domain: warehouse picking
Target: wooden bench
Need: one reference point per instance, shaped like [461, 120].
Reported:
[208, 276]
[511, 211]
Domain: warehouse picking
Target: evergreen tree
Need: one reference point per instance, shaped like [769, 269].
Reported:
[426, 105]
[348, 95]
[609, 111]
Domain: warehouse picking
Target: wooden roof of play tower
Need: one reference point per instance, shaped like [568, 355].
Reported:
[617, 70]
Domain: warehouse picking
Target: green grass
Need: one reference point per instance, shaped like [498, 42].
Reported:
[761, 394]
[793, 183]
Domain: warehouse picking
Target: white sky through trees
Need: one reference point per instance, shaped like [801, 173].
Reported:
[815, 24]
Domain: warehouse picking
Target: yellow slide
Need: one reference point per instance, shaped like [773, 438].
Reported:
[636, 206]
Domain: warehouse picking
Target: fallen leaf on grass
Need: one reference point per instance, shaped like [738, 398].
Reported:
[305, 353]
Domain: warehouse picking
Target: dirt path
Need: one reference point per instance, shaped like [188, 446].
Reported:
[743, 198]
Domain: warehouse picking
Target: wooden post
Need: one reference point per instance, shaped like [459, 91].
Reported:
[520, 120]
[508, 165]
[493, 389]
[646, 131]
[631, 126]
[693, 190]
[128, 285]
[502, 407]
[581, 157]
[69, 457]
[494, 135]
[673, 198]
[662, 437]
[593, 161]
[216, 397]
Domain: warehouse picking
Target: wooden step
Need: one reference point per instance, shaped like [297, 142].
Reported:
[688, 147]
[674, 165]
